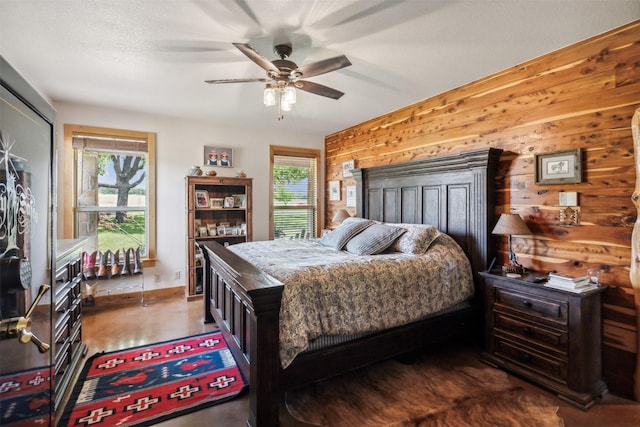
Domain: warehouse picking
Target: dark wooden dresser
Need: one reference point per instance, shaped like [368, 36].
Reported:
[67, 348]
[550, 337]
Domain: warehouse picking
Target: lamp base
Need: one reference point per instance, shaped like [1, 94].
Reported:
[513, 268]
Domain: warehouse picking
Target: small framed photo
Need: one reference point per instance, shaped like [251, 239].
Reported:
[212, 229]
[221, 230]
[202, 199]
[216, 156]
[559, 167]
[228, 202]
[239, 201]
[334, 190]
[203, 232]
[216, 202]
[347, 167]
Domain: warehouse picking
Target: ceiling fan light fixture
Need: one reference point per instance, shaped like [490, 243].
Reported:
[285, 105]
[269, 97]
[289, 95]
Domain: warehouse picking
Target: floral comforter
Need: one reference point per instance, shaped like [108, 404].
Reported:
[330, 292]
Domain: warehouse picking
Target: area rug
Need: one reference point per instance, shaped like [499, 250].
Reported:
[25, 398]
[430, 391]
[148, 384]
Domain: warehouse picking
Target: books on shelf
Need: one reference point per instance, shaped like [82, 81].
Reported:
[570, 283]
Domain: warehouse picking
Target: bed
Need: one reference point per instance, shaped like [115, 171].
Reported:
[452, 192]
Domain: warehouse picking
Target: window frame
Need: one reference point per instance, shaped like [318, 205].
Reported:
[70, 187]
[277, 150]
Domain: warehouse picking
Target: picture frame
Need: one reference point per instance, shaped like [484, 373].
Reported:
[346, 168]
[218, 156]
[239, 201]
[212, 229]
[202, 199]
[221, 230]
[203, 232]
[229, 202]
[351, 195]
[334, 190]
[559, 167]
[216, 203]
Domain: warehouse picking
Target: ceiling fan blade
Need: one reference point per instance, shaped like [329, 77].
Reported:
[318, 89]
[256, 57]
[324, 66]
[236, 81]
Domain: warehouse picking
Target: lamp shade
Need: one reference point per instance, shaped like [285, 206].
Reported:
[340, 216]
[511, 224]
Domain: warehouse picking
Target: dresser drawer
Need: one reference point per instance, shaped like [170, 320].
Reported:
[530, 332]
[532, 305]
[543, 364]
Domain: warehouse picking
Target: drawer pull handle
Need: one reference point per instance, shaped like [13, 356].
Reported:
[527, 304]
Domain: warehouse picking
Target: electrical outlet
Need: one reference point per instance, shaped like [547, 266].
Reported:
[176, 275]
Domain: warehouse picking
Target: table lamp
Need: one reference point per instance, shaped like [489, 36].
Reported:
[340, 216]
[511, 224]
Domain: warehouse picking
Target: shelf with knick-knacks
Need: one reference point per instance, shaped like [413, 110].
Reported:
[218, 208]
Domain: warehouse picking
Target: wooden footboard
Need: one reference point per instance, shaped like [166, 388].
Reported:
[245, 303]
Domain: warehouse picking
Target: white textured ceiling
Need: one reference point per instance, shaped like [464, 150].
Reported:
[154, 55]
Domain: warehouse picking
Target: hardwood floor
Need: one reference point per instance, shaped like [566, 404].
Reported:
[109, 327]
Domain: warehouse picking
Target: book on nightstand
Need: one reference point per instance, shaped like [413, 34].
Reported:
[572, 284]
[567, 281]
[580, 290]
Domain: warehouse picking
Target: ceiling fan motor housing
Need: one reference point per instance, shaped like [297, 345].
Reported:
[283, 50]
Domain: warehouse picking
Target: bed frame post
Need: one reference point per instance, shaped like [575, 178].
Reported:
[245, 303]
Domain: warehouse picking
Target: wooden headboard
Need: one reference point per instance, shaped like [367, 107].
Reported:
[453, 192]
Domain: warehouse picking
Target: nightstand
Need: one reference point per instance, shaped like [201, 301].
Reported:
[550, 337]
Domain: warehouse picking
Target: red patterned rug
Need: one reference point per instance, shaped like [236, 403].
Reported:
[148, 384]
[25, 398]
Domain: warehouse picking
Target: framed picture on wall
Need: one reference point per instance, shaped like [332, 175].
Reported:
[559, 167]
[216, 156]
[334, 190]
[351, 195]
[347, 167]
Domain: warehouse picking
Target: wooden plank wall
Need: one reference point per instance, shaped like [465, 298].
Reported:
[582, 96]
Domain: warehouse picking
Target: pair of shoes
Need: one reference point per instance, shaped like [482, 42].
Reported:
[132, 262]
[88, 265]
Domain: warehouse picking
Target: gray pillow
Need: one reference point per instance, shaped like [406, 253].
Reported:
[416, 240]
[339, 237]
[373, 239]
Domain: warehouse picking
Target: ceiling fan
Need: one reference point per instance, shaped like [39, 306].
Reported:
[284, 76]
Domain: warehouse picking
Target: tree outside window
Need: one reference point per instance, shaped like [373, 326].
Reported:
[114, 198]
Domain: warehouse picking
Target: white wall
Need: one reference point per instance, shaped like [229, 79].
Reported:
[180, 145]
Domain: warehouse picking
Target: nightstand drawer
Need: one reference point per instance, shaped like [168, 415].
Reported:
[549, 366]
[531, 305]
[528, 332]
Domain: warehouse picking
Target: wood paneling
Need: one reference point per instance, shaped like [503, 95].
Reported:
[582, 96]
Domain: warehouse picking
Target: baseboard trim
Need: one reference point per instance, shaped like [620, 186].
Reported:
[136, 296]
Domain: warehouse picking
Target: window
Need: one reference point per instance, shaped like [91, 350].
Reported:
[111, 176]
[294, 193]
